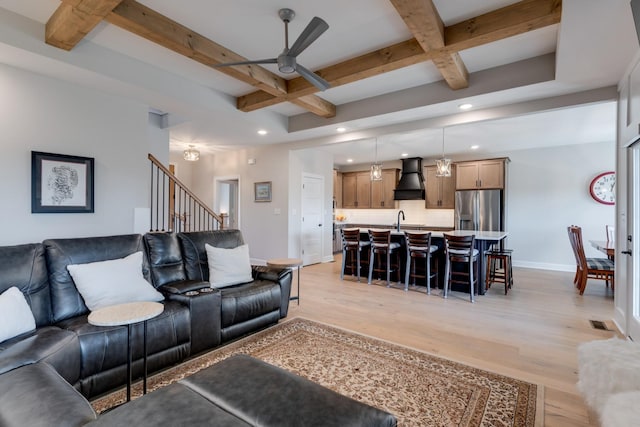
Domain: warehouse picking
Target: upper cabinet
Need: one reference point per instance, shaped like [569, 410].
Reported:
[337, 189]
[359, 192]
[440, 191]
[382, 191]
[483, 174]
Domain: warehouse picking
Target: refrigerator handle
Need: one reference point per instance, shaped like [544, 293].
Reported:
[476, 211]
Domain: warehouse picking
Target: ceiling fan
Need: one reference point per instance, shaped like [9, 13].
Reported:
[287, 59]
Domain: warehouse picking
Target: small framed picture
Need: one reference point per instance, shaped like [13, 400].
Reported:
[262, 191]
[61, 183]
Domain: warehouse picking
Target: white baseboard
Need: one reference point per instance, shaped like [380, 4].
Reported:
[545, 266]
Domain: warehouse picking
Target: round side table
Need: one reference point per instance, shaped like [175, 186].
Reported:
[128, 314]
[289, 263]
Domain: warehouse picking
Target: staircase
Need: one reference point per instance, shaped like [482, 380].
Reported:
[174, 207]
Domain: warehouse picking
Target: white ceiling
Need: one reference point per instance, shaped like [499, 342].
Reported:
[405, 109]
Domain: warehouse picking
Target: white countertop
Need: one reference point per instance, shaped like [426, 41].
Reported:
[480, 235]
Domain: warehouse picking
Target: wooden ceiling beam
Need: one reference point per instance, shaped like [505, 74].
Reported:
[424, 22]
[519, 18]
[74, 19]
[151, 25]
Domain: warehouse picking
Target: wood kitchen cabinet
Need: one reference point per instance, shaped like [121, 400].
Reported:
[359, 192]
[356, 190]
[440, 191]
[483, 174]
[382, 191]
[337, 189]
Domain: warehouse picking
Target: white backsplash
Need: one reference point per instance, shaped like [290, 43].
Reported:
[414, 213]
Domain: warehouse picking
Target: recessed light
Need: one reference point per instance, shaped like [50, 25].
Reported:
[404, 154]
[341, 129]
[475, 147]
[465, 106]
[349, 160]
[262, 132]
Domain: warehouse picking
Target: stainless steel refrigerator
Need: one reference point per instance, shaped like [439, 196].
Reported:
[479, 210]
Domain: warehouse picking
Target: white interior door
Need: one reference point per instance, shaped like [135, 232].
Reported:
[312, 218]
[227, 200]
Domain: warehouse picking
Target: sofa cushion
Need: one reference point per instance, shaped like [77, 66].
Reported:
[241, 303]
[66, 301]
[15, 314]
[195, 255]
[50, 344]
[104, 348]
[117, 281]
[24, 267]
[165, 258]
[228, 266]
[35, 395]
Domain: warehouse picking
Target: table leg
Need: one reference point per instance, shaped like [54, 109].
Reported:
[299, 267]
[144, 360]
[129, 363]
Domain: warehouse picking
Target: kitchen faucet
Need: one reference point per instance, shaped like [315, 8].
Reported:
[400, 212]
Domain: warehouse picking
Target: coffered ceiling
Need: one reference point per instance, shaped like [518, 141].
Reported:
[398, 69]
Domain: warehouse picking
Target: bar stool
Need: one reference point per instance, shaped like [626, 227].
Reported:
[382, 246]
[351, 249]
[459, 249]
[419, 248]
[494, 275]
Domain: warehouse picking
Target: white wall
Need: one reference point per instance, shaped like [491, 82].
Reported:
[44, 114]
[548, 190]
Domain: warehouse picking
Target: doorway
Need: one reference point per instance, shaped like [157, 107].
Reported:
[312, 218]
[227, 200]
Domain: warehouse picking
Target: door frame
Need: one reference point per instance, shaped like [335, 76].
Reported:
[217, 181]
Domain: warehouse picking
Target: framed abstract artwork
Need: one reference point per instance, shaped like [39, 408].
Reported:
[61, 183]
[262, 191]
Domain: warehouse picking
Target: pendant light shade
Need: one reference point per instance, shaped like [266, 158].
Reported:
[191, 154]
[443, 165]
[376, 168]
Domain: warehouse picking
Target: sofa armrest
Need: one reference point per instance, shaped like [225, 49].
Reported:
[183, 286]
[281, 276]
[205, 310]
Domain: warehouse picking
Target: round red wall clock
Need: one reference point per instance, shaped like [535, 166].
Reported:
[603, 188]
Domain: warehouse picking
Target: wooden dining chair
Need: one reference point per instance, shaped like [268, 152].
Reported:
[589, 268]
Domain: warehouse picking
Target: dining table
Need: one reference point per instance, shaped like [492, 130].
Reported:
[607, 247]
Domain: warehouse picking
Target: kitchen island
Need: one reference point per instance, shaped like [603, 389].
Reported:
[483, 241]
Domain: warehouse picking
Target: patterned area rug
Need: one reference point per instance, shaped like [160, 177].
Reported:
[419, 389]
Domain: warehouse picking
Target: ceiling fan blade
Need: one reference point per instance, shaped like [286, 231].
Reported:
[259, 61]
[316, 27]
[313, 78]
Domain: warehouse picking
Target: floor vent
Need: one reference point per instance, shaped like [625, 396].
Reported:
[599, 324]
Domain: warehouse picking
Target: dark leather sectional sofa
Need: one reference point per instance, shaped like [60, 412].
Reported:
[93, 359]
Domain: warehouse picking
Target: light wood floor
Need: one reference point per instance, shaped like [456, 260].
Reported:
[531, 334]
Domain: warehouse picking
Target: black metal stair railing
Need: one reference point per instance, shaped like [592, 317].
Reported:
[174, 207]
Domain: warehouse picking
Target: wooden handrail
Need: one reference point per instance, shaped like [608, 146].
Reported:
[184, 188]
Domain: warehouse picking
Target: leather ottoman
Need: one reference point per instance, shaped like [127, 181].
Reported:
[242, 391]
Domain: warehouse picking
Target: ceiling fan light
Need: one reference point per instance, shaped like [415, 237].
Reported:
[191, 154]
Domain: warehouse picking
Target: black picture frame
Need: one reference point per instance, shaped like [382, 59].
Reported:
[61, 183]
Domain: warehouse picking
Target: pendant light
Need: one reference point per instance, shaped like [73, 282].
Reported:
[443, 165]
[191, 154]
[376, 168]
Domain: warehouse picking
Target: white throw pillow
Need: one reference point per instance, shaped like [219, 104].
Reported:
[228, 266]
[15, 314]
[112, 282]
